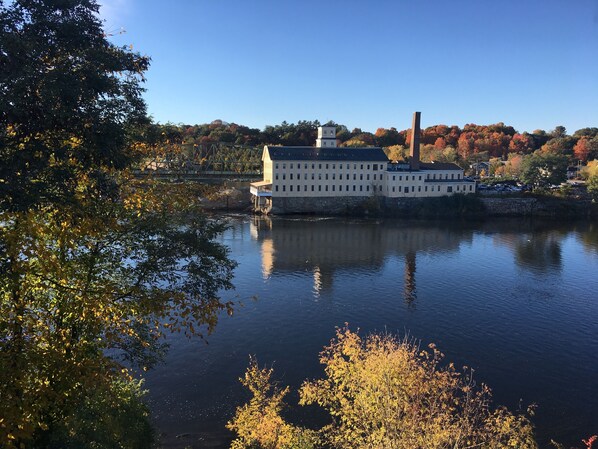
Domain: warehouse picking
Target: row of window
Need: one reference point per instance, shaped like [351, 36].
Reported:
[449, 189]
[340, 176]
[327, 166]
[332, 188]
[404, 189]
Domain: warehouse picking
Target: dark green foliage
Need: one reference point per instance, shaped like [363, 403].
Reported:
[108, 418]
[453, 206]
[541, 170]
[67, 98]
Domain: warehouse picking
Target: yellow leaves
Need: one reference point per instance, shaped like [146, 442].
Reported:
[383, 392]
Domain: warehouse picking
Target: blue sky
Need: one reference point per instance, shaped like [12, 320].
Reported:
[532, 64]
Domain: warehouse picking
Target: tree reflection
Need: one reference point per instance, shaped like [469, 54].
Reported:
[540, 252]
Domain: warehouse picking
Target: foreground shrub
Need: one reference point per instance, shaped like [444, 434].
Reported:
[382, 392]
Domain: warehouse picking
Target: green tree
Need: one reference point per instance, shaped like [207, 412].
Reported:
[68, 98]
[541, 170]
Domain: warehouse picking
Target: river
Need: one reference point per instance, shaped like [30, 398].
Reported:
[515, 300]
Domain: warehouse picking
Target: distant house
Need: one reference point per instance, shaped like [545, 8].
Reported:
[304, 178]
[480, 167]
[573, 171]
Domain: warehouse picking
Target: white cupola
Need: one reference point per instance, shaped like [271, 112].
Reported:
[326, 137]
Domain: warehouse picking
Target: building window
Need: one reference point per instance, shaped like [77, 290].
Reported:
[394, 178]
[340, 166]
[393, 188]
[305, 176]
[361, 176]
[276, 166]
[354, 187]
[354, 166]
[374, 176]
[333, 175]
[320, 166]
[449, 189]
[420, 178]
[305, 188]
[413, 178]
[333, 187]
[347, 188]
[361, 166]
[361, 188]
[326, 166]
[276, 176]
[313, 176]
[319, 188]
[284, 166]
[340, 176]
[452, 176]
[354, 176]
[284, 176]
[291, 188]
[375, 167]
[426, 188]
[290, 176]
[367, 188]
[470, 188]
[313, 166]
[334, 166]
[399, 188]
[284, 188]
[326, 175]
[419, 188]
[291, 166]
[276, 188]
[312, 187]
[320, 176]
[326, 187]
[368, 166]
[305, 166]
[400, 178]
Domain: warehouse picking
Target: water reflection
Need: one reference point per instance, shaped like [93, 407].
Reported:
[534, 251]
[409, 291]
[323, 248]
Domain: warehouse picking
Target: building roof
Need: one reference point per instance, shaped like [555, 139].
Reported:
[374, 154]
[438, 166]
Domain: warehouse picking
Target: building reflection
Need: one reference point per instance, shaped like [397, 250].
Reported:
[326, 247]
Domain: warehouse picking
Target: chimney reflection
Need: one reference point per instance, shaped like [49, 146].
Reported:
[409, 289]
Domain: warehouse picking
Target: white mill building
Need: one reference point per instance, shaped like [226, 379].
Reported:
[327, 178]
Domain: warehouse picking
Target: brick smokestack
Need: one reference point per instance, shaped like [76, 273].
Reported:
[414, 148]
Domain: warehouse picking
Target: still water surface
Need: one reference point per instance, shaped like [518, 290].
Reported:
[515, 300]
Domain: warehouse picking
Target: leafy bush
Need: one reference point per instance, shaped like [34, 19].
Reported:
[382, 392]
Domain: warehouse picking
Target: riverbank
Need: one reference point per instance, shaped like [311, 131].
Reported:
[236, 197]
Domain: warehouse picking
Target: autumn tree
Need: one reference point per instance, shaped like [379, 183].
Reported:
[582, 148]
[381, 392]
[94, 265]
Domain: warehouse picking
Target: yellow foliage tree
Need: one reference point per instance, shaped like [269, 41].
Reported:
[381, 392]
